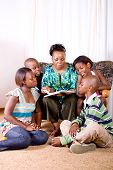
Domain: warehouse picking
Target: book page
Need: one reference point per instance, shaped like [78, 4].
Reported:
[59, 92]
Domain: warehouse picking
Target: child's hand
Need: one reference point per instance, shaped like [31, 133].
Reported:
[55, 142]
[30, 127]
[73, 129]
[36, 126]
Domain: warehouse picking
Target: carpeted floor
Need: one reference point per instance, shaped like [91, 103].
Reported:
[47, 157]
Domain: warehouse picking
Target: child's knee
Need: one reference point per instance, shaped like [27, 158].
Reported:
[65, 123]
[65, 127]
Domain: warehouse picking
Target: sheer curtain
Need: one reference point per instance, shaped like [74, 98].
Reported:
[83, 26]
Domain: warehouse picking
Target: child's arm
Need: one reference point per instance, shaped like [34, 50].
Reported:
[80, 120]
[104, 83]
[73, 129]
[8, 114]
[33, 117]
[78, 83]
[38, 115]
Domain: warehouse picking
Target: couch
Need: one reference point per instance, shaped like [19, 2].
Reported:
[105, 67]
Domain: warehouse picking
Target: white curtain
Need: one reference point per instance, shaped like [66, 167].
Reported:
[83, 26]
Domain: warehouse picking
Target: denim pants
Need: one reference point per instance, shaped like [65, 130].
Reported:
[19, 138]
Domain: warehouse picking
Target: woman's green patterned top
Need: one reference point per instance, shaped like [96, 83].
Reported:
[65, 81]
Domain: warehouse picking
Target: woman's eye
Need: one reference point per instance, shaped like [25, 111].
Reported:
[56, 59]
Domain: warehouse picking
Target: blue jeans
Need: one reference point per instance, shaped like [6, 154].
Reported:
[19, 138]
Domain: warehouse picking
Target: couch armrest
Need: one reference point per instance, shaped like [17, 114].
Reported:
[105, 93]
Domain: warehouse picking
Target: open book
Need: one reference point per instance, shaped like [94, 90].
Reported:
[60, 92]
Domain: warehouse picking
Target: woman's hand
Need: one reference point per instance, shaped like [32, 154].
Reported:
[69, 91]
[73, 129]
[47, 90]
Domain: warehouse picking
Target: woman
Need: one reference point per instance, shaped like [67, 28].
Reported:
[59, 76]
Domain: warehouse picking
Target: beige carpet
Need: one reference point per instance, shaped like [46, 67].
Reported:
[47, 157]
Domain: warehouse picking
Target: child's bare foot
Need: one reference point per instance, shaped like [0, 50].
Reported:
[55, 133]
[55, 141]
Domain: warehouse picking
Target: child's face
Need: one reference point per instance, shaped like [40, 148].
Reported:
[34, 66]
[30, 80]
[83, 69]
[83, 87]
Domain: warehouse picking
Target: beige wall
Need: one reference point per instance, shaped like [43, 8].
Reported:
[16, 32]
[12, 58]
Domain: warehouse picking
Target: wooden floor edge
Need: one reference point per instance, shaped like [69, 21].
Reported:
[1, 109]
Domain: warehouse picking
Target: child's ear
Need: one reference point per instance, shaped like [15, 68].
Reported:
[88, 65]
[90, 88]
[23, 83]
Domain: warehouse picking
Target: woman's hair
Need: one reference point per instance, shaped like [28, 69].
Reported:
[57, 47]
[20, 76]
[29, 60]
[82, 59]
